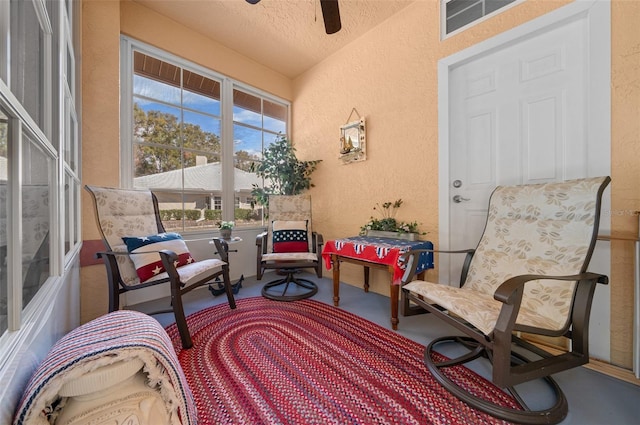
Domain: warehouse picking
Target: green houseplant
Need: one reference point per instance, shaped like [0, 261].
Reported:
[282, 171]
[225, 228]
[388, 225]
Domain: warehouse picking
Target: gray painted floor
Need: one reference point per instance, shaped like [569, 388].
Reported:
[593, 398]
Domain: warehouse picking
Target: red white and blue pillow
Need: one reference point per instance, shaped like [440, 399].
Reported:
[146, 257]
[290, 236]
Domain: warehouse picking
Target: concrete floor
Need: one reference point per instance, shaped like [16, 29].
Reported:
[594, 398]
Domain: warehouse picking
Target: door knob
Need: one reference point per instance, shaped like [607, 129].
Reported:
[457, 199]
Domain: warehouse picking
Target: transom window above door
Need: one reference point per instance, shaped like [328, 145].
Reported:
[460, 14]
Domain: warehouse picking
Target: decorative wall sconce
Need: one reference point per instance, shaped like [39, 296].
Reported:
[353, 141]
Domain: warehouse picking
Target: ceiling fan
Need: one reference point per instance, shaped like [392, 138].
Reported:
[330, 15]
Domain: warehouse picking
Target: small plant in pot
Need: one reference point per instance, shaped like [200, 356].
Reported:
[225, 229]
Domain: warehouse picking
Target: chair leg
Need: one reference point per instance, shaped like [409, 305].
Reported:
[309, 288]
[227, 287]
[551, 415]
[178, 312]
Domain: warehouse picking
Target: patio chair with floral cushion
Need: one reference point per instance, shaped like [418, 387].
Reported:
[527, 276]
[139, 252]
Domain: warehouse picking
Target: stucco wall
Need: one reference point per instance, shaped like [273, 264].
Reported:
[390, 76]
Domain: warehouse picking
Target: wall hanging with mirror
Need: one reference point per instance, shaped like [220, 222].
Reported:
[353, 141]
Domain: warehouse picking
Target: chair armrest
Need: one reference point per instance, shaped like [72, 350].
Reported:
[261, 243]
[407, 260]
[318, 242]
[222, 249]
[512, 288]
[510, 293]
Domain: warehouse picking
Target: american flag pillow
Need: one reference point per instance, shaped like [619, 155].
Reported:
[145, 256]
[290, 236]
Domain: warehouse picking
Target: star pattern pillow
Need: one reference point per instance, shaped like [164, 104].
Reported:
[290, 236]
[146, 257]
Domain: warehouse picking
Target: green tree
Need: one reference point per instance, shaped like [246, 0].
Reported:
[244, 160]
[165, 144]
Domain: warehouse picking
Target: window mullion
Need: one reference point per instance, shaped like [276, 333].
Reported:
[14, 229]
[228, 190]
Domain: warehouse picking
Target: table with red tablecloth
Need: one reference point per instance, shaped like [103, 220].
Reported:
[376, 252]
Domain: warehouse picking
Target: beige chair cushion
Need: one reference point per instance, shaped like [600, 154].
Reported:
[125, 212]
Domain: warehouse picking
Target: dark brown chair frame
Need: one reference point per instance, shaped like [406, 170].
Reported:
[117, 286]
[503, 348]
[289, 269]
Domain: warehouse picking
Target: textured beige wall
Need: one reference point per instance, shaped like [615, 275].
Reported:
[145, 25]
[390, 76]
[625, 166]
[100, 131]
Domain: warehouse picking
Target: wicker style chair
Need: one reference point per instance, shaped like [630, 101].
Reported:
[139, 253]
[529, 275]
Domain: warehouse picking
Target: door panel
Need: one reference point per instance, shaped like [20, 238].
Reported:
[511, 124]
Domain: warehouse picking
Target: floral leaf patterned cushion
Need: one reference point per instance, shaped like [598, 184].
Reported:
[145, 256]
[290, 236]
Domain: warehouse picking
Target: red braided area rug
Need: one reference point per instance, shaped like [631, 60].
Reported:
[306, 362]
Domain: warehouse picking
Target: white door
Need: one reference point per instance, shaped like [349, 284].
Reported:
[517, 116]
[518, 112]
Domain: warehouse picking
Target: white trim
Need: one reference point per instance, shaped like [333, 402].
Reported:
[226, 136]
[443, 18]
[227, 85]
[5, 41]
[14, 227]
[599, 120]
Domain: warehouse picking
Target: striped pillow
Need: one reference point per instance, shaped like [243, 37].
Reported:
[145, 256]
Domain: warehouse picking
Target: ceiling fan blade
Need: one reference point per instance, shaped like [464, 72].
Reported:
[331, 15]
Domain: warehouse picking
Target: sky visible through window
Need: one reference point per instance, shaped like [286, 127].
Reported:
[247, 137]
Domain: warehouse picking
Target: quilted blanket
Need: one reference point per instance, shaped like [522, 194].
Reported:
[120, 335]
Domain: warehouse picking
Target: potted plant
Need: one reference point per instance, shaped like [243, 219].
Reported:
[282, 171]
[225, 229]
[388, 226]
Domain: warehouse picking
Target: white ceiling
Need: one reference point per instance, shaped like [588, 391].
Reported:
[287, 36]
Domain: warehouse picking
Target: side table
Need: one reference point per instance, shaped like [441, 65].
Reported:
[376, 252]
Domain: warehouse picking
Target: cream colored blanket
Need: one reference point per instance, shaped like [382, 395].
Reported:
[116, 336]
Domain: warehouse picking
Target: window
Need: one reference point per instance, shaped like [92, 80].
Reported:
[180, 141]
[37, 113]
[457, 14]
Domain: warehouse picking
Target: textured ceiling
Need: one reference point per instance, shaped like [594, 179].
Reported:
[287, 36]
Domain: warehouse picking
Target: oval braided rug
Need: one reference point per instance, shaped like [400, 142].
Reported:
[306, 362]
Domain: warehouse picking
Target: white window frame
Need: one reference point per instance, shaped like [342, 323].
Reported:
[53, 147]
[227, 85]
[443, 18]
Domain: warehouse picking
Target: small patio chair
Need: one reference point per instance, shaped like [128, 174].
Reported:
[528, 275]
[288, 245]
[140, 253]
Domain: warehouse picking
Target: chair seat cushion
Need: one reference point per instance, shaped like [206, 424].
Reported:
[290, 236]
[290, 256]
[477, 308]
[145, 256]
[194, 271]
